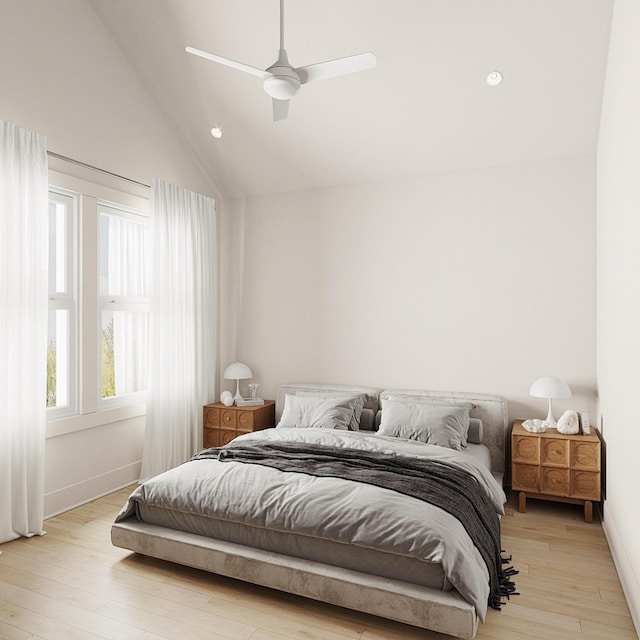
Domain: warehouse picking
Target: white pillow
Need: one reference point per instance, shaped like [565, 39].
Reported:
[357, 401]
[311, 411]
[443, 425]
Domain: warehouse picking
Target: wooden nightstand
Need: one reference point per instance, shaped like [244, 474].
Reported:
[554, 466]
[222, 424]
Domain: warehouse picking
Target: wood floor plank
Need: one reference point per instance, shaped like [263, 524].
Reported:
[60, 611]
[295, 626]
[608, 632]
[9, 632]
[592, 610]
[42, 626]
[402, 633]
[169, 628]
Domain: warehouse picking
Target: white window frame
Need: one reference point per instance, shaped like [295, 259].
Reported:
[89, 192]
[118, 303]
[67, 301]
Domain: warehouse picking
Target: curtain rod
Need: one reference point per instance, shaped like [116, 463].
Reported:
[90, 166]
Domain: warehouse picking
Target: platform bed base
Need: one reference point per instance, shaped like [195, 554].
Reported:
[442, 611]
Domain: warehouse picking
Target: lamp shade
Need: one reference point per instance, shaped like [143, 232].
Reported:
[550, 387]
[237, 371]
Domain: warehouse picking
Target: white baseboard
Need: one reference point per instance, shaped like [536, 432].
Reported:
[74, 495]
[628, 580]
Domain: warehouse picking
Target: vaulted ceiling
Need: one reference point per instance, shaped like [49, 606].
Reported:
[425, 108]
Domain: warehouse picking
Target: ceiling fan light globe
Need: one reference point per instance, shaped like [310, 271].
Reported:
[281, 87]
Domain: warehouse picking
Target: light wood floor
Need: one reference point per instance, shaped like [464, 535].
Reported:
[73, 585]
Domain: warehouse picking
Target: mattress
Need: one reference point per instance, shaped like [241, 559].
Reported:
[387, 565]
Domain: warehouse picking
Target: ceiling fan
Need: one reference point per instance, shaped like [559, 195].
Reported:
[282, 81]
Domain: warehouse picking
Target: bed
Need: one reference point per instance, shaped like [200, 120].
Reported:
[384, 566]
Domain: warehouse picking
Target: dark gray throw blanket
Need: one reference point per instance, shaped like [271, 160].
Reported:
[453, 490]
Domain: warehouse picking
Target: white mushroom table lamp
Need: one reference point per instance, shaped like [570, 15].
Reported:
[237, 371]
[550, 387]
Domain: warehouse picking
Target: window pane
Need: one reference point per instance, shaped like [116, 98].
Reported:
[124, 352]
[60, 240]
[123, 255]
[58, 378]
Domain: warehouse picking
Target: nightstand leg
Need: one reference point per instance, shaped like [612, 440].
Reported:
[588, 511]
[522, 502]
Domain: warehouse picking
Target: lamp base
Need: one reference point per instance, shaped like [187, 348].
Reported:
[237, 396]
[550, 420]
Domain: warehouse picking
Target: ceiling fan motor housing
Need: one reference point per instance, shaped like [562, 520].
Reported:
[283, 84]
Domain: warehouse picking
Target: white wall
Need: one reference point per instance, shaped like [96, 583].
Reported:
[63, 76]
[618, 267]
[478, 281]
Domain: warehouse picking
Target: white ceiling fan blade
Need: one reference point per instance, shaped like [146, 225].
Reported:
[240, 66]
[280, 109]
[334, 68]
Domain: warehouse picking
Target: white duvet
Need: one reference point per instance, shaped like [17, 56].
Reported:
[334, 508]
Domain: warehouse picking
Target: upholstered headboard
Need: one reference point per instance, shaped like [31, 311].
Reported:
[491, 409]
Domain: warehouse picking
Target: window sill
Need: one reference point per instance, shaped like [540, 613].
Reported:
[72, 424]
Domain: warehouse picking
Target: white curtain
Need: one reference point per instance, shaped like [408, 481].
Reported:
[182, 325]
[24, 222]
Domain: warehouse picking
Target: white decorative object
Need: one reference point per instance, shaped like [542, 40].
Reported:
[569, 423]
[550, 387]
[535, 426]
[253, 389]
[226, 397]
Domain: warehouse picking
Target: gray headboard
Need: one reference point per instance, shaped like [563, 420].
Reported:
[491, 409]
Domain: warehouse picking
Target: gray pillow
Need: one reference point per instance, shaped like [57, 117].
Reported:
[356, 399]
[476, 431]
[444, 425]
[311, 411]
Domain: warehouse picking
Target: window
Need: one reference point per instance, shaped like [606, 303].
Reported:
[124, 305]
[61, 343]
[98, 304]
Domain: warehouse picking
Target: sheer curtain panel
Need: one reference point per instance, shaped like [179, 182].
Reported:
[182, 325]
[24, 221]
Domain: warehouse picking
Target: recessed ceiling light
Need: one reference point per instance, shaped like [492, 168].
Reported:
[494, 78]
[216, 132]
